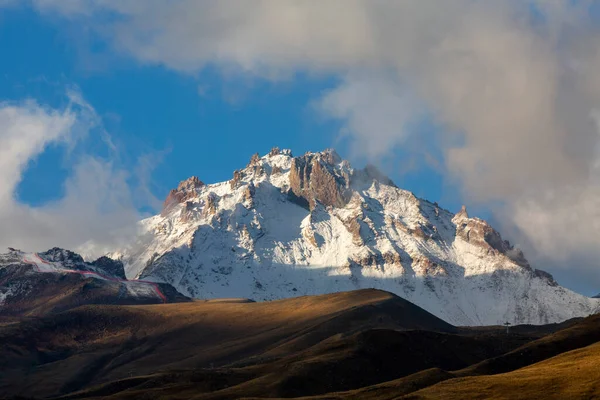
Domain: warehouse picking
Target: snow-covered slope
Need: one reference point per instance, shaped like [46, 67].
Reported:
[287, 226]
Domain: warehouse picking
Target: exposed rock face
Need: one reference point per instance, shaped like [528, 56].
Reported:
[248, 195]
[210, 207]
[427, 267]
[186, 190]
[66, 257]
[314, 177]
[255, 165]
[461, 215]
[258, 170]
[331, 157]
[112, 267]
[173, 198]
[378, 260]
[353, 226]
[187, 212]
[237, 177]
[254, 160]
[190, 185]
[477, 232]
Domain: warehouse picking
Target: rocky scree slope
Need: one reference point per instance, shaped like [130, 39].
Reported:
[287, 226]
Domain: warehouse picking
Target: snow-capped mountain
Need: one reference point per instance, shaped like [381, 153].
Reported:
[33, 284]
[287, 226]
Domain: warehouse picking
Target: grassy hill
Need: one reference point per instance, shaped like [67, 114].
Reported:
[365, 344]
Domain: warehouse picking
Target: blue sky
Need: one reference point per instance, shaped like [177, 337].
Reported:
[460, 104]
[206, 125]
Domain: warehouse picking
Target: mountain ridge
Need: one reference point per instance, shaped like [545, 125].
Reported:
[285, 226]
[36, 284]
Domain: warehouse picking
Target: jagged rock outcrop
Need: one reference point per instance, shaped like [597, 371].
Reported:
[186, 190]
[237, 177]
[254, 160]
[187, 212]
[353, 226]
[110, 266]
[461, 215]
[255, 165]
[479, 233]
[314, 177]
[248, 195]
[210, 206]
[66, 257]
[427, 267]
[378, 260]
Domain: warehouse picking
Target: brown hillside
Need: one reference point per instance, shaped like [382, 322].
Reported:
[95, 344]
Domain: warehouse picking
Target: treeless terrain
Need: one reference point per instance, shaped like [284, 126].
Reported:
[364, 344]
[42, 294]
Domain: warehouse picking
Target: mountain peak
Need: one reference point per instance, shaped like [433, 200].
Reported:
[66, 257]
[190, 184]
[461, 215]
[276, 151]
[286, 226]
[330, 156]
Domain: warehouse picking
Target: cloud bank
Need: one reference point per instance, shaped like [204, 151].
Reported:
[97, 204]
[513, 84]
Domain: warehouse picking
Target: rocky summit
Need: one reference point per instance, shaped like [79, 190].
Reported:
[287, 226]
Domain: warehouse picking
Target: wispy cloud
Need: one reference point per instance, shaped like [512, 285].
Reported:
[376, 112]
[98, 203]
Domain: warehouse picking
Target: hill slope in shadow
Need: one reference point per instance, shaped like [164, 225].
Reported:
[364, 344]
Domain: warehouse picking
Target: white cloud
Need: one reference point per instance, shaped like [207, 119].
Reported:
[97, 204]
[24, 133]
[376, 111]
[512, 83]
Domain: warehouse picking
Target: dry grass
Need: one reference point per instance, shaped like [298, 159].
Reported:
[92, 345]
[561, 365]
[573, 375]
[356, 345]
